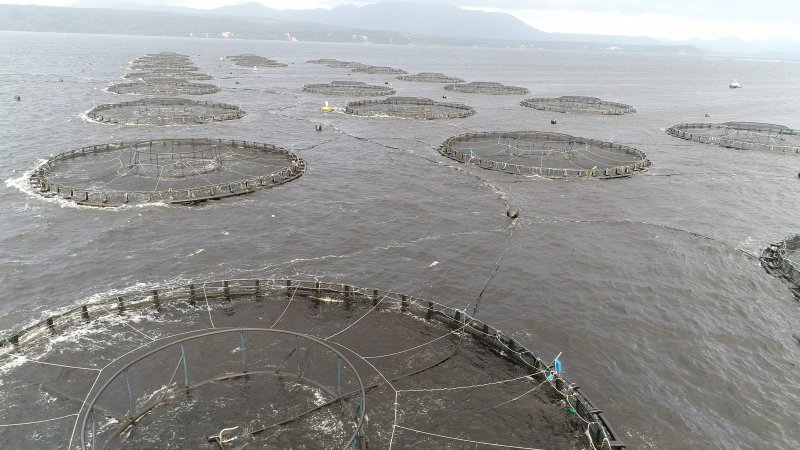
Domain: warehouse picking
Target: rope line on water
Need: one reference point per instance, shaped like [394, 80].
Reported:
[491, 444]
[4, 425]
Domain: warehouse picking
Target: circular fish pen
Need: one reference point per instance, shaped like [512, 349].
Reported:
[487, 87]
[741, 135]
[430, 77]
[156, 76]
[552, 155]
[280, 363]
[377, 70]
[165, 61]
[250, 60]
[409, 108]
[782, 260]
[165, 170]
[356, 88]
[336, 64]
[572, 103]
[163, 88]
[157, 65]
[164, 111]
[165, 57]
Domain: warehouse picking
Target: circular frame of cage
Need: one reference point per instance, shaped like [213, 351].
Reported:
[40, 179]
[376, 70]
[599, 430]
[194, 112]
[775, 260]
[487, 87]
[638, 161]
[357, 88]
[579, 104]
[430, 77]
[409, 108]
[336, 64]
[163, 88]
[156, 77]
[242, 371]
[165, 66]
[740, 135]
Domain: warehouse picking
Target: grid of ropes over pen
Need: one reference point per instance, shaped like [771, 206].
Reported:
[547, 154]
[164, 111]
[741, 135]
[487, 87]
[186, 365]
[572, 103]
[255, 61]
[165, 170]
[782, 260]
[409, 108]
[349, 88]
[430, 77]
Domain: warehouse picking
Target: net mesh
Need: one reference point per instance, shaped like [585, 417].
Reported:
[572, 103]
[548, 154]
[430, 77]
[348, 88]
[741, 135]
[409, 108]
[168, 170]
[164, 111]
[487, 87]
[143, 359]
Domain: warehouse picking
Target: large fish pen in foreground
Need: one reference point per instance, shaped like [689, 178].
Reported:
[283, 363]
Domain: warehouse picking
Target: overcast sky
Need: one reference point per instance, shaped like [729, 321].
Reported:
[665, 19]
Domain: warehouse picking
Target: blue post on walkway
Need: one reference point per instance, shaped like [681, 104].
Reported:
[339, 377]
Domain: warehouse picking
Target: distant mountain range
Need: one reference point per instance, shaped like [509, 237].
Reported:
[396, 23]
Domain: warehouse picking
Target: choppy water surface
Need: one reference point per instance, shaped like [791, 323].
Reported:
[647, 285]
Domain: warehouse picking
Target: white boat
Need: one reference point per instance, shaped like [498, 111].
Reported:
[735, 84]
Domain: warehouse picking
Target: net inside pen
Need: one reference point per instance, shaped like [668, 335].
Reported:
[578, 104]
[255, 61]
[164, 111]
[741, 135]
[409, 108]
[355, 88]
[430, 77]
[487, 87]
[163, 87]
[166, 170]
[544, 153]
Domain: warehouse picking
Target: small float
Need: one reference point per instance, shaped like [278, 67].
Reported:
[735, 84]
